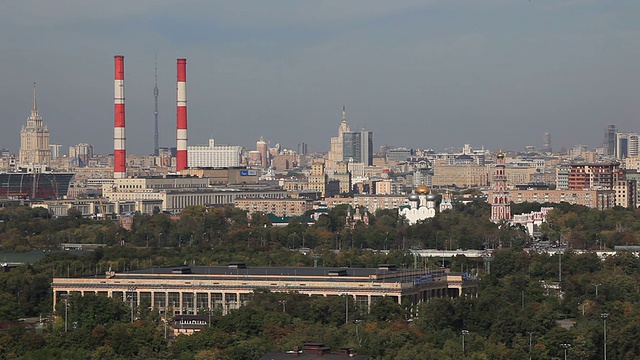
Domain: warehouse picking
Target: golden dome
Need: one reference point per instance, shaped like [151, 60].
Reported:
[500, 155]
[422, 189]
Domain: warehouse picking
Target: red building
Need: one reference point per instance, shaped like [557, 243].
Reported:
[592, 176]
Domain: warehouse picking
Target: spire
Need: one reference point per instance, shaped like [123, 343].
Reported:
[34, 111]
[34, 120]
[156, 149]
[344, 114]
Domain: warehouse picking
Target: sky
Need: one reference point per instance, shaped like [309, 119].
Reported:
[418, 73]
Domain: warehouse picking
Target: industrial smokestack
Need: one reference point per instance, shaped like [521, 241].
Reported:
[181, 102]
[119, 149]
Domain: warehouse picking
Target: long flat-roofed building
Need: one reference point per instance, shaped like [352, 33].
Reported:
[278, 207]
[176, 192]
[370, 202]
[186, 289]
[596, 199]
[214, 156]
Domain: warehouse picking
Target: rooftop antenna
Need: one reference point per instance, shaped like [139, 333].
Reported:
[156, 150]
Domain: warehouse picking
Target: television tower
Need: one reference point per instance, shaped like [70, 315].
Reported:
[156, 150]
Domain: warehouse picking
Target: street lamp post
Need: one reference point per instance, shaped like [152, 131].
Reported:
[560, 268]
[385, 240]
[464, 332]
[596, 285]
[66, 311]
[530, 342]
[566, 347]
[357, 335]
[604, 317]
[130, 297]
[346, 307]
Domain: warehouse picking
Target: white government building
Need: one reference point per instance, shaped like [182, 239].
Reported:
[214, 156]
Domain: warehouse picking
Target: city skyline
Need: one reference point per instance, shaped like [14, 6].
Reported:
[419, 74]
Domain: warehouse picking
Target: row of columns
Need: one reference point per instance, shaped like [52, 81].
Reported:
[188, 302]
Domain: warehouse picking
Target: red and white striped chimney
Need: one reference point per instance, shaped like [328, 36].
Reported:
[181, 102]
[119, 150]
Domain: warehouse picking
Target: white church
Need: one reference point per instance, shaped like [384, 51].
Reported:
[422, 205]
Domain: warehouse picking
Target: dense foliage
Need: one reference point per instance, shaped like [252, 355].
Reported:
[516, 315]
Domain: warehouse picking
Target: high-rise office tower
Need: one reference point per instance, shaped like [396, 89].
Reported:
[610, 140]
[546, 143]
[34, 138]
[302, 148]
[626, 145]
[55, 151]
[262, 148]
[81, 154]
[357, 147]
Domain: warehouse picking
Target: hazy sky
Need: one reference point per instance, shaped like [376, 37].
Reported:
[423, 73]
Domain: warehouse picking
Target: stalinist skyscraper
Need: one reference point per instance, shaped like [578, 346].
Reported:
[336, 152]
[34, 138]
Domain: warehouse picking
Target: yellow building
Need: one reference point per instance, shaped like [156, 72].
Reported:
[34, 138]
[187, 290]
[278, 207]
[369, 202]
[462, 175]
[317, 180]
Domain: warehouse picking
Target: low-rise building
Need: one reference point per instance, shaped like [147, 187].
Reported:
[278, 207]
[596, 199]
[187, 290]
[369, 202]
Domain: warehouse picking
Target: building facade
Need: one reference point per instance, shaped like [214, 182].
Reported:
[626, 145]
[592, 175]
[336, 149]
[343, 175]
[262, 147]
[465, 175]
[34, 139]
[214, 156]
[357, 146]
[188, 290]
[369, 202]
[278, 207]
[177, 193]
[596, 199]
[317, 180]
